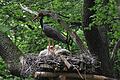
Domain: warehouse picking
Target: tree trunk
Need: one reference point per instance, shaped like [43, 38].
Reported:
[10, 54]
[96, 39]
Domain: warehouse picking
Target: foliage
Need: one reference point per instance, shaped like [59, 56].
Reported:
[27, 34]
[117, 63]
[104, 14]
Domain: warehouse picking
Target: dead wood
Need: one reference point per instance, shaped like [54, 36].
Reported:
[72, 75]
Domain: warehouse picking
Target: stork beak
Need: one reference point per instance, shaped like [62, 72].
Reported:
[41, 17]
[36, 17]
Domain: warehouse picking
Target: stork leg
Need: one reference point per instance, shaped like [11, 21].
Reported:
[48, 45]
[52, 42]
[53, 45]
[68, 41]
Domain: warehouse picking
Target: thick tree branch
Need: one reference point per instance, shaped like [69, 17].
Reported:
[10, 54]
[72, 75]
[96, 38]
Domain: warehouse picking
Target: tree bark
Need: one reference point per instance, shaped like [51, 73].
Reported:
[96, 39]
[10, 54]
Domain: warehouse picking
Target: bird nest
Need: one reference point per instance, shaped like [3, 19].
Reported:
[63, 61]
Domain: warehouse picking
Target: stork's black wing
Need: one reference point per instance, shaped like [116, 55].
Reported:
[53, 33]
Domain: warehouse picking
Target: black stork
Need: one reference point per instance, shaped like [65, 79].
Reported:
[52, 33]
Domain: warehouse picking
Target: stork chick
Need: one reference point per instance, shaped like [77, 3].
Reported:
[60, 51]
[48, 51]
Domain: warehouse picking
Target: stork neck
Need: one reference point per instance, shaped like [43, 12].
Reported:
[41, 21]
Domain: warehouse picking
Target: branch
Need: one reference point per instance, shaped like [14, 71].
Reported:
[28, 10]
[10, 54]
[72, 75]
[115, 49]
[57, 18]
[117, 18]
[63, 16]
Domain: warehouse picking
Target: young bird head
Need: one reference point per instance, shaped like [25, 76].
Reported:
[50, 49]
[57, 47]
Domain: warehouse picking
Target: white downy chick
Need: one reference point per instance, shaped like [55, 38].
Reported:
[58, 50]
[48, 51]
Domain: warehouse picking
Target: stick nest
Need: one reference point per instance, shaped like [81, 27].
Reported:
[53, 63]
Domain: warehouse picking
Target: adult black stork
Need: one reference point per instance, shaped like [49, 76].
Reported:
[52, 33]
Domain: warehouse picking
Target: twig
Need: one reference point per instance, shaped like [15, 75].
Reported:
[116, 47]
[63, 16]
[28, 10]
[71, 65]
[79, 73]
[66, 62]
[117, 18]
